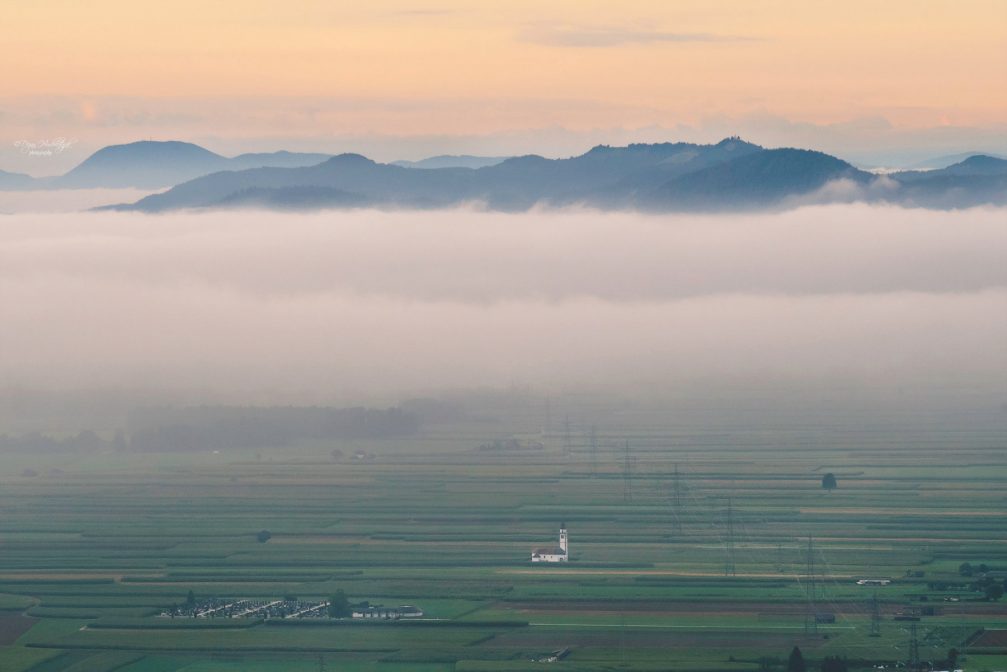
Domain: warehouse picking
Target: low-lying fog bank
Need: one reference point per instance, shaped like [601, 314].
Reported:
[348, 305]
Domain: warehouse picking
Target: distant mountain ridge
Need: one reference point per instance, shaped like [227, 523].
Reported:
[145, 164]
[730, 175]
[978, 180]
[453, 161]
[939, 162]
[15, 181]
[759, 178]
[150, 164]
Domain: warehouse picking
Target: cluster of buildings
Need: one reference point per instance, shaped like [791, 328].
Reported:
[230, 608]
[287, 608]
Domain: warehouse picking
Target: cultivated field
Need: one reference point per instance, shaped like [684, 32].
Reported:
[717, 568]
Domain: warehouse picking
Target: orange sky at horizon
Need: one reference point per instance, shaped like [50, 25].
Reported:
[916, 63]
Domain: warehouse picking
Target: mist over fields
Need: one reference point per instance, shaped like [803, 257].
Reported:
[342, 306]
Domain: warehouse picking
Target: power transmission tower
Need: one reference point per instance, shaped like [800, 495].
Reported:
[567, 441]
[875, 617]
[811, 619]
[622, 637]
[321, 663]
[548, 416]
[676, 501]
[914, 648]
[729, 569]
[594, 451]
[627, 477]
[811, 567]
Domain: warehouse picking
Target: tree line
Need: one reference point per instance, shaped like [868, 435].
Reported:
[203, 428]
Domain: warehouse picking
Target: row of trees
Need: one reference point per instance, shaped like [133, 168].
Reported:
[82, 442]
[229, 427]
[968, 569]
[224, 427]
[796, 662]
[990, 587]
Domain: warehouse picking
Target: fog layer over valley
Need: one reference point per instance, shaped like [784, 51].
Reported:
[345, 306]
[62, 200]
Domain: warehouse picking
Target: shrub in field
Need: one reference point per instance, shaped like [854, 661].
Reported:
[795, 663]
[263, 536]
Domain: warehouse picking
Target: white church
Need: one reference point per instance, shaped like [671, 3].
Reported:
[552, 553]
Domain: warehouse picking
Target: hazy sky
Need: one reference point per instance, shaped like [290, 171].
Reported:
[342, 305]
[396, 79]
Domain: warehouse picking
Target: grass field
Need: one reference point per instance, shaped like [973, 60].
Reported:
[662, 576]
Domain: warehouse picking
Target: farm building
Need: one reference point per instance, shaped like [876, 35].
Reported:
[553, 553]
[388, 613]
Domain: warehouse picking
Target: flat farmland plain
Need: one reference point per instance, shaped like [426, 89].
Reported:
[699, 541]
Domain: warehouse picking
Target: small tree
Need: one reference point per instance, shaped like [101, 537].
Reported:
[339, 605]
[994, 591]
[795, 663]
[190, 598]
[263, 536]
[952, 658]
[829, 481]
[965, 569]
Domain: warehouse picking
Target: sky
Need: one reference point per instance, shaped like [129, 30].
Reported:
[888, 82]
